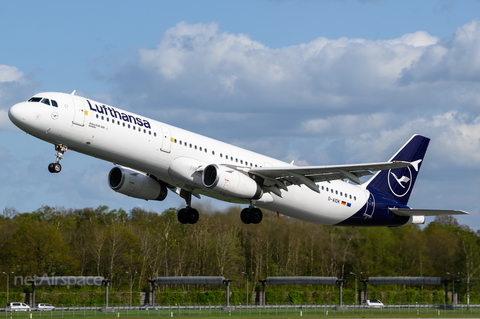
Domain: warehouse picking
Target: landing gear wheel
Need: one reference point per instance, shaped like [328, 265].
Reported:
[192, 216]
[188, 215]
[255, 215]
[54, 167]
[181, 216]
[244, 216]
[251, 215]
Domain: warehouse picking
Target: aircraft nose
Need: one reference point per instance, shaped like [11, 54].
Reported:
[16, 113]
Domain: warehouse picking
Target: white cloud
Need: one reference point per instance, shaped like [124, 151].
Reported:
[459, 135]
[455, 59]
[332, 100]
[198, 67]
[9, 73]
[346, 125]
[14, 87]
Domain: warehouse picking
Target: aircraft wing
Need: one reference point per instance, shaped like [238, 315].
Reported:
[280, 177]
[426, 212]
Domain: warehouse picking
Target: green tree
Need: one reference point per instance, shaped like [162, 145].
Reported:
[37, 248]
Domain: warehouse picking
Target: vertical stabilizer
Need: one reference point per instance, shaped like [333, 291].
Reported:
[397, 184]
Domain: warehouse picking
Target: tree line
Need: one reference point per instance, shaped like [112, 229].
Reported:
[140, 245]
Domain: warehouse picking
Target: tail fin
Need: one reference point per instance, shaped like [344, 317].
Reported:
[397, 184]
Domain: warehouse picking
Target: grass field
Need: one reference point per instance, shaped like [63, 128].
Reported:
[259, 312]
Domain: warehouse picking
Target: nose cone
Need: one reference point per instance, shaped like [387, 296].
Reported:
[16, 114]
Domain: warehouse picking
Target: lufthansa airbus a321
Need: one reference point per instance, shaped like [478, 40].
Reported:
[153, 158]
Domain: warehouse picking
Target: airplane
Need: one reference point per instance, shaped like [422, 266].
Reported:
[152, 158]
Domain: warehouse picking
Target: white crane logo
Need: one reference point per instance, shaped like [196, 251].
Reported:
[403, 179]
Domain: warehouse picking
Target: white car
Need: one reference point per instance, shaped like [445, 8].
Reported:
[373, 303]
[45, 307]
[17, 306]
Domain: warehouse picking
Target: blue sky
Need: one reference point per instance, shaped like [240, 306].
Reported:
[318, 82]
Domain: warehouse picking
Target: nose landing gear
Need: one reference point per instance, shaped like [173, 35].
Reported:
[56, 167]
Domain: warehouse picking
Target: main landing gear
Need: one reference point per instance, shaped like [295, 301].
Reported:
[187, 215]
[251, 215]
[56, 167]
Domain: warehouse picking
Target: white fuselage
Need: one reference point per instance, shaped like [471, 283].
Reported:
[173, 155]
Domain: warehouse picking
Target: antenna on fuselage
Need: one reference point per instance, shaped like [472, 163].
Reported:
[73, 93]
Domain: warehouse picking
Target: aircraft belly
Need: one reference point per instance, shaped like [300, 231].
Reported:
[307, 205]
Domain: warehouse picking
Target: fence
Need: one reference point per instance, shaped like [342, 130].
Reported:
[242, 310]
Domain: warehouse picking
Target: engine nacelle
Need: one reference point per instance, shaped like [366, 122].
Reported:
[230, 182]
[135, 184]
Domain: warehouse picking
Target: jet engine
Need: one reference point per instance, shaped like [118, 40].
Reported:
[230, 182]
[136, 184]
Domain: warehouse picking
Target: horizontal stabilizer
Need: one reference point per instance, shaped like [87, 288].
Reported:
[426, 212]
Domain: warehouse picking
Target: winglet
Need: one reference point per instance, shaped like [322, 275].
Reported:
[416, 164]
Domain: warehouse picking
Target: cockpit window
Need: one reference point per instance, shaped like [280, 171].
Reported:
[44, 101]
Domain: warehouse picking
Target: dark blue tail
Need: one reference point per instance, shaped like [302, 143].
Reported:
[397, 184]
